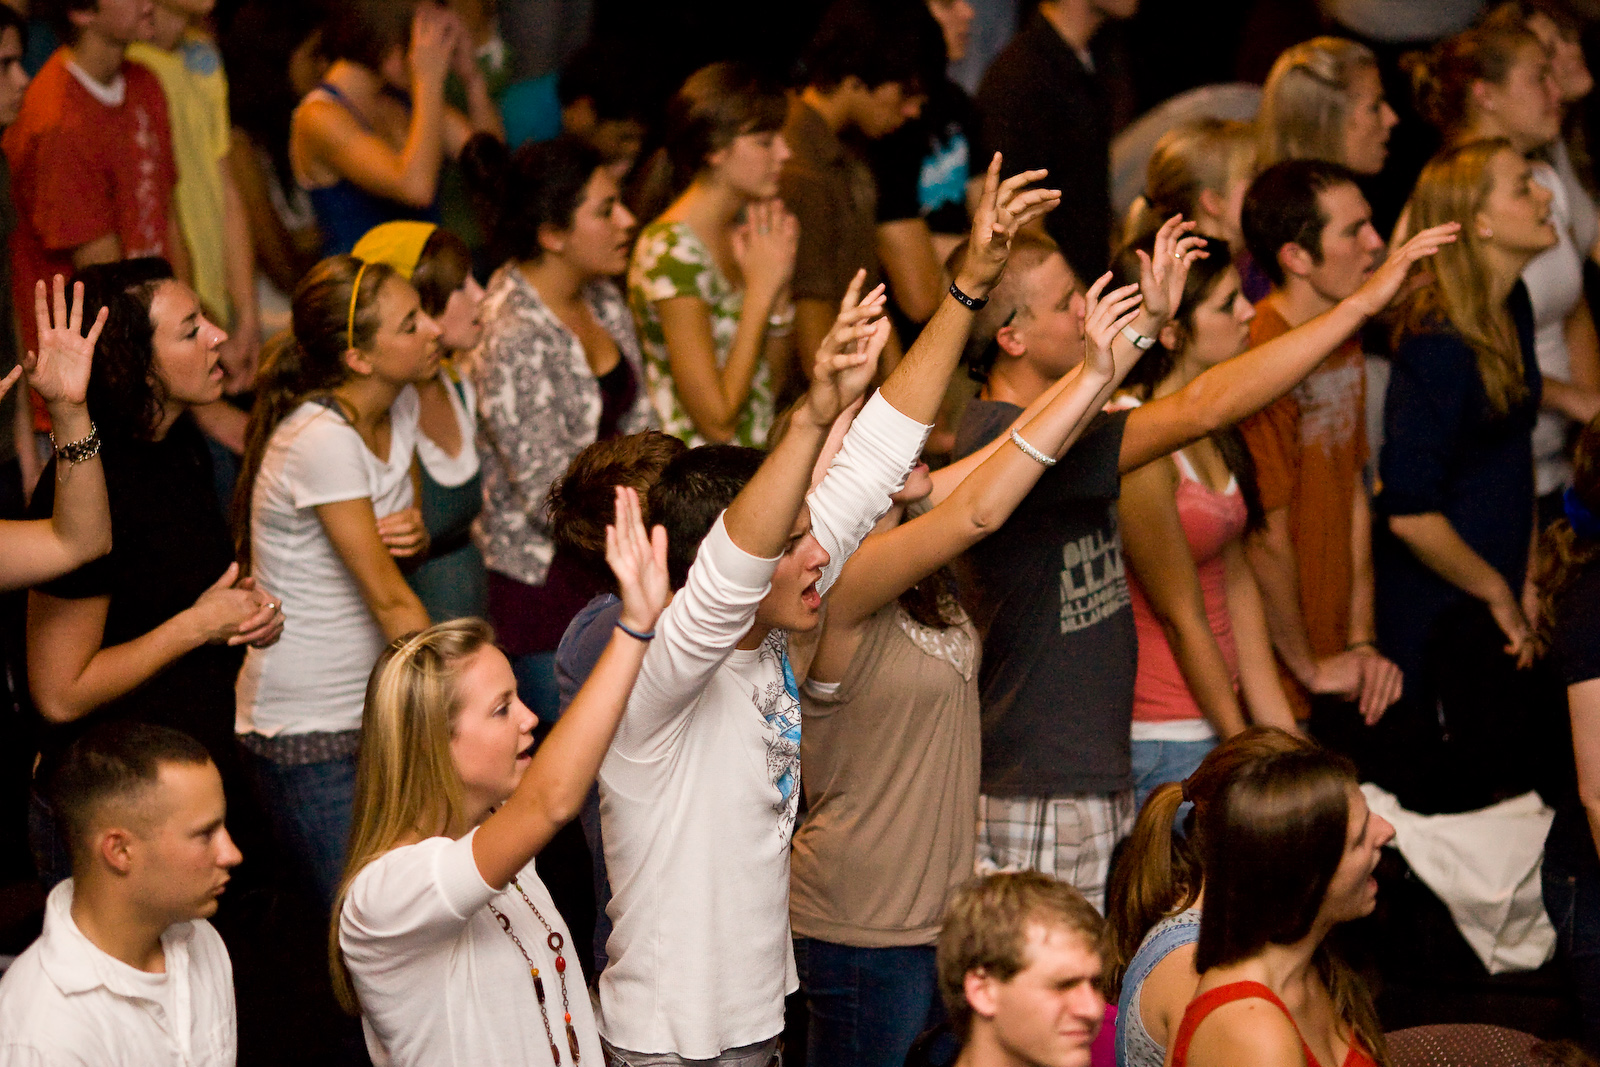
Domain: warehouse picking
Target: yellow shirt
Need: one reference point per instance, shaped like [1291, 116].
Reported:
[196, 88]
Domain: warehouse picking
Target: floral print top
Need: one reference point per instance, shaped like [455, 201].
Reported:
[670, 261]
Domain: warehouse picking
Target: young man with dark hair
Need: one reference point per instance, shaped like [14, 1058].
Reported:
[1045, 102]
[1020, 960]
[128, 970]
[1059, 655]
[864, 76]
[700, 789]
[1310, 230]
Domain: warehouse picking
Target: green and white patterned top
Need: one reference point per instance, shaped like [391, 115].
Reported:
[670, 261]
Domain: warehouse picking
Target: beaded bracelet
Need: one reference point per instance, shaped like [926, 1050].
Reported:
[635, 634]
[80, 451]
[1031, 452]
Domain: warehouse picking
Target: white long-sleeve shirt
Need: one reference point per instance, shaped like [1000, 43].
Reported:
[699, 791]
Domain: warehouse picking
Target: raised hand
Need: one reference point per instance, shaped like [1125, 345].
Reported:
[848, 355]
[433, 44]
[59, 371]
[1162, 275]
[764, 246]
[1003, 208]
[404, 533]
[639, 561]
[1385, 282]
[1104, 319]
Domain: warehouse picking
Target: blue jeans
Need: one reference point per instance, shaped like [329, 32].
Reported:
[867, 1004]
[1157, 762]
[536, 685]
[309, 808]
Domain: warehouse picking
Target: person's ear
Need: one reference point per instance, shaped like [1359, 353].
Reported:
[1011, 342]
[83, 17]
[1295, 260]
[1211, 203]
[1171, 336]
[358, 362]
[552, 240]
[981, 989]
[1482, 95]
[1484, 228]
[115, 848]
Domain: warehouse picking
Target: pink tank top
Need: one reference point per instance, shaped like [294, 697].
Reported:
[1210, 520]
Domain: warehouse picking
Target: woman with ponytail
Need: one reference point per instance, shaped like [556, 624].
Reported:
[1288, 847]
[329, 455]
[1206, 665]
[1200, 170]
[557, 369]
[709, 281]
[444, 938]
[1323, 99]
[1156, 891]
[1569, 588]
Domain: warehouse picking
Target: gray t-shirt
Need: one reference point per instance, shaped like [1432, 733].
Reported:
[1050, 597]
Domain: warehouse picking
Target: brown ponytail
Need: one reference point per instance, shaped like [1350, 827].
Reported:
[306, 362]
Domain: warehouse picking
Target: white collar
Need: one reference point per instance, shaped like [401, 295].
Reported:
[76, 965]
[110, 95]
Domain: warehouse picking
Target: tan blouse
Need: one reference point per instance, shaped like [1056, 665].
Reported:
[891, 774]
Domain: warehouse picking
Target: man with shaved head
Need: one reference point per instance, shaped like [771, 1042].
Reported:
[127, 970]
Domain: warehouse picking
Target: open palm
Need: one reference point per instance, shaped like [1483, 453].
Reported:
[59, 371]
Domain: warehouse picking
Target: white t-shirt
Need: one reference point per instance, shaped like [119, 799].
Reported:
[451, 471]
[66, 1002]
[699, 791]
[315, 677]
[440, 983]
[1555, 284]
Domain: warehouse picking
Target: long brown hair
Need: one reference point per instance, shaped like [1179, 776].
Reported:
[1454, 187]
[1270, 844]
[307, 362]
[1160, 872]
[406, 778]
[1564, 553]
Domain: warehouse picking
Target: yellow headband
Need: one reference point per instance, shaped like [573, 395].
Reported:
[399, 244]
[350, 323]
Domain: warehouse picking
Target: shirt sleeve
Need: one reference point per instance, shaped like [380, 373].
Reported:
[872, 462]
[1273, 437]
[815, 273]
[325, 464]
[1430, 388]
[668, 267]
[412, 898]
[694, 636]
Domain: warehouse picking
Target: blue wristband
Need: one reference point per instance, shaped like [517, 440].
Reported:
[635, 634]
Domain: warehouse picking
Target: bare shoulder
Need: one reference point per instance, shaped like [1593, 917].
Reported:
[1246, 1033]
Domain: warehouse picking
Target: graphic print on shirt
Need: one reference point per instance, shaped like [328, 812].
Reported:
[1094, 583]
[1331, 402]
[943, 178]
[780, 707]
[149, 234]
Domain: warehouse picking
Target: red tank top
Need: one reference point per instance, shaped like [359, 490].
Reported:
[1210, 1001]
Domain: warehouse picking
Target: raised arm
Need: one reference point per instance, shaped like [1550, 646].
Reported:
[555, 784]
[1247, 383]
[79, 527]
[889, 563]
[917, 385]
[338, 142]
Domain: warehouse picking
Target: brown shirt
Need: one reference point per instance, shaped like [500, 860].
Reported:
[830, 190]
[891, 776]
[1309, 448]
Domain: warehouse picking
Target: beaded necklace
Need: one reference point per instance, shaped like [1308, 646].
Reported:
[555, 941]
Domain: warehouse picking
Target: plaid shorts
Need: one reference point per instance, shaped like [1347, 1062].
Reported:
[1068, 837]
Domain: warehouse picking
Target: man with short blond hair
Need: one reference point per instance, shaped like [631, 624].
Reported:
[1020, 959]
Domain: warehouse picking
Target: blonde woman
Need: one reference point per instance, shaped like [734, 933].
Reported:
[1200, 170]
[444, 938]
[1454, 516]
[1324, 99]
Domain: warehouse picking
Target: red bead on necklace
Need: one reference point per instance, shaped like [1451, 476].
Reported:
[556, 942]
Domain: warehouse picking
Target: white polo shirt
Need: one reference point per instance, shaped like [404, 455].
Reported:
[65, 1002]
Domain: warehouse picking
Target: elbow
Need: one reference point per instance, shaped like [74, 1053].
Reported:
[54, 708]
[417, 192]
[95, 547]
[716, 433]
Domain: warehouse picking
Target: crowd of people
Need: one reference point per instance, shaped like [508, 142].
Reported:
[787, 571]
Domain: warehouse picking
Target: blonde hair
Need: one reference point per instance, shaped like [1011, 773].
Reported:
[406, 779]
[1454, 187]
[1307, 98]
[1190, 158]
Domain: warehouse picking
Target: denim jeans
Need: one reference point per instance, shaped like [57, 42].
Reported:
[1156, 762]
[761, 1054]
[867, 1005]
[309, 808]
[1573, 901]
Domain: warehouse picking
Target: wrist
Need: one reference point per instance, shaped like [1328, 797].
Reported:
[70, 422]
[974, 287]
